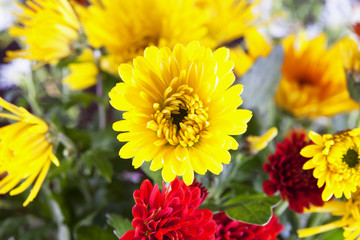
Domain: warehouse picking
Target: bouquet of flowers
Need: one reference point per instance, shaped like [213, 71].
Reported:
[179, 119]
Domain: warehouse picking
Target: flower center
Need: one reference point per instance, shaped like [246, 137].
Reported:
[351, 158]
[181, 119]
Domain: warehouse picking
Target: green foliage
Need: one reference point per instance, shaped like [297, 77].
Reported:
[98, 159]
[120, 224]
[255, 209]
[94, 233]
[353, 85]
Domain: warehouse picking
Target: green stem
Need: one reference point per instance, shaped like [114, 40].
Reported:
[32, 95]
[63, 232]
[68, 143]
[99, 93]
[281, 208]
[358, 119]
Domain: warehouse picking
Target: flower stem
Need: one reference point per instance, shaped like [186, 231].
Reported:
[30, 85]
[99, 92]
[101, 107]
[63, 232]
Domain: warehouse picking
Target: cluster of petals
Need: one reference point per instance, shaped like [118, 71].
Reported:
[349, 210]
[313, 79]
[230, 229]
[170, 214]
[180, 108]
[25, 152]
[47, 28]
[285, 168]
[335, 160]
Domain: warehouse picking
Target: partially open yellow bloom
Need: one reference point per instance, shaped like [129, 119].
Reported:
[229, 20]
[335, 160]
[25, 152]
[350, 54]
[47, 29]
[83, 72]
[313, 82]
[350, 220]
[180, 108]
[258, 143]
[255, 46]
[125, 28]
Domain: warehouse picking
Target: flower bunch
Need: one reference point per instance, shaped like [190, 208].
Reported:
[230, 116]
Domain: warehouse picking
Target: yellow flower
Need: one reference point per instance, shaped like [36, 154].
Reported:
[126, 28]
[350, 54]
[258, 143]
[83, 72]
[229, 20]
[313, 82]
[256, 46]
[350, 221]
[335, 160]
[180, 109]
[47, 29]
[25, 152]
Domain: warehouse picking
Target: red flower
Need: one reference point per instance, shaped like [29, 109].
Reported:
[356, 28]
[203, 191]
[296, 185]
[170, 214]
[228, 229]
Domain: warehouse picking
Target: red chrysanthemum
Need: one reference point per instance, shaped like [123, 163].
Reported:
[229, 229]
[356, 28]
[203, 190]
[170, 214]
[286, 173]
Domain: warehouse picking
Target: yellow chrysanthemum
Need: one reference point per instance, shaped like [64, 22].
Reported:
[126, 28]
[350, 221]
[25, 152]
[351, 54]
[256, 46]
[83, 72]
[313, 82]
[47, 29]
[229, 20]
[180, 109]
[258, 143]
[335, 160]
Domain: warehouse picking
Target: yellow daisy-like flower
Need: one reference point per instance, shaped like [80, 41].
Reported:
[126, 28]
[351, 54]
[313, 82]
[83, 72]
[180, 109]
[25, 152]
[258, 143]
[47, 29]
[335, 160]
[350, 221]
[256, 46]
[229, 20]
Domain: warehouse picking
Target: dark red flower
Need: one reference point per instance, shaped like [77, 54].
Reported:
[356, 28]
[171, 214]
[204, 192]
[229, 229]
[296, 185]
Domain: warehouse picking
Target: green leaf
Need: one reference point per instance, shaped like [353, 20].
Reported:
[254, 209]
[155, 176]
[353, 85]
[265, 73]
[94, 233]
[99, 159]
[120, 224]
[260, 84]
